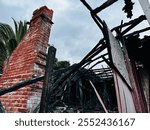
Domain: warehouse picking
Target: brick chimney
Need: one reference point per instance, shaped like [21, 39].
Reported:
[27, 61]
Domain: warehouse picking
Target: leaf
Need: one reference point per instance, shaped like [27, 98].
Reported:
[9, 39]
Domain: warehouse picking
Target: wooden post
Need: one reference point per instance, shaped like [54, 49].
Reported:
[48, 80]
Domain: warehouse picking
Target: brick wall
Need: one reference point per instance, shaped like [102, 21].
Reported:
[27, 62]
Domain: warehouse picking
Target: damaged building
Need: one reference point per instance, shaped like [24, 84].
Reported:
[113, 77]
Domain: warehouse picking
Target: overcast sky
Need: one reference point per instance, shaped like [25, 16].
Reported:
[74, 33]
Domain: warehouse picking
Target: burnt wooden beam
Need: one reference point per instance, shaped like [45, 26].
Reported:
[20, 85]
[138, 32]
[142, 17]
[87, 5]
[98, 21]
[95, 17]
[98, 45]
[103, 6]
[47, 87]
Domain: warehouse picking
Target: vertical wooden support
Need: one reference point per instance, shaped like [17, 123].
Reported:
[48, 80]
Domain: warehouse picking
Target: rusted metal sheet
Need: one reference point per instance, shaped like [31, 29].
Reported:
[146, 8]
[118, 57]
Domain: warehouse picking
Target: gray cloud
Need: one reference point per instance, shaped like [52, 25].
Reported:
[74, 33]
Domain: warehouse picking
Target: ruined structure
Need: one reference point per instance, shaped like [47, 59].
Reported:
[112, 77]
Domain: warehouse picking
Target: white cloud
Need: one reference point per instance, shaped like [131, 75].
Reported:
[58, 5]
[17, 3]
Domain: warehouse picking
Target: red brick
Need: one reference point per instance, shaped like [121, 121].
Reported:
[22, 110]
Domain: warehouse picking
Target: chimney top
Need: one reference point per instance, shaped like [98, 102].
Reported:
[43, 11]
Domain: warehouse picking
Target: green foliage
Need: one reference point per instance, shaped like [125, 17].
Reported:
[9, 39]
